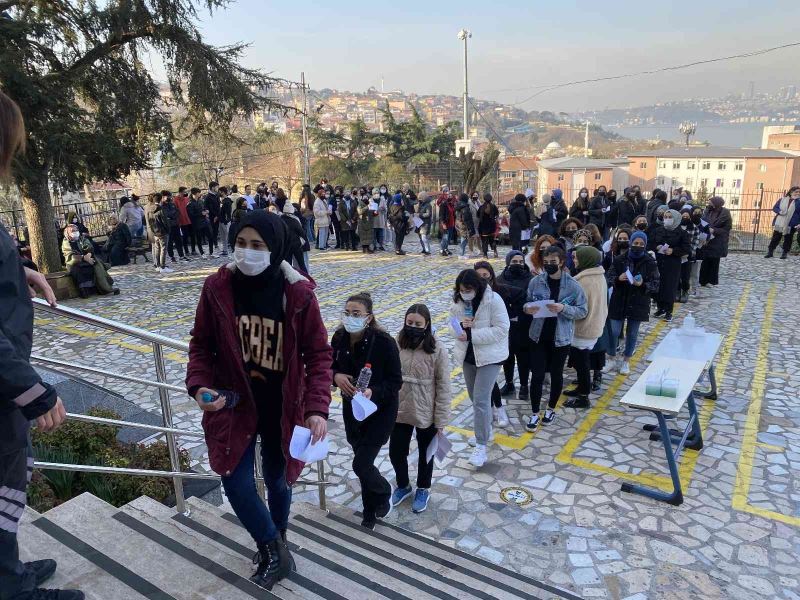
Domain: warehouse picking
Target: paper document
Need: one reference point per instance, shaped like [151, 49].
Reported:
[455, 325]
[373, 206]
[439, 447]
[362, 406]
[663, 249]
[525, 235]
[629, 275]
[417, 221]
[301, 448]
[606, 209]
[703, 222]
[542, 312]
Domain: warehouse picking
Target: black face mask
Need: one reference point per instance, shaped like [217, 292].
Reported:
[415, 335]
[601, 193]
[623, 245]
[571, 232]
[631, 196]
[641, 226]
[551, 269]
[516, 269]
[696, 219]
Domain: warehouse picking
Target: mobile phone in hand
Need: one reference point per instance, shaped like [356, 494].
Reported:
[231, 398]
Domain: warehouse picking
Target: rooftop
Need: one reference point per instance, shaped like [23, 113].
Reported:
[519, 163]
[575, 163]
[712, 152]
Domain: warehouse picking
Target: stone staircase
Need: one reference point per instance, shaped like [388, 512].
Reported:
[145, 550]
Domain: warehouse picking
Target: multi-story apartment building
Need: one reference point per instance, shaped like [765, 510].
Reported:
[737, 174]
[571, 174]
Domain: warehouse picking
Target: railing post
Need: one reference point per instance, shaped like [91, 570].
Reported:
[260, 485]
[166, 415]
[323, 504]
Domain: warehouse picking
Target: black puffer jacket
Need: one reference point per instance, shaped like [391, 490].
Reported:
[629, 301]
[516, 287]
[519, 220]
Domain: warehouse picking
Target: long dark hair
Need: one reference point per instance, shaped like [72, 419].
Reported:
[485, 264]
[428, 342]
[624, 228]
[470, 278]
[365, 299]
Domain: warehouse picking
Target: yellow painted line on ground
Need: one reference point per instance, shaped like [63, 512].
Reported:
[771, 447]
[501, 439]
[744, 471]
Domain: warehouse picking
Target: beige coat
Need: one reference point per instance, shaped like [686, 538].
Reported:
[593, 283]
[425, 395]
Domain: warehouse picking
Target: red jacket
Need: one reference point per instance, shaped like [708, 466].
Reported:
[451, 210]
[180, 203]
[216, 362]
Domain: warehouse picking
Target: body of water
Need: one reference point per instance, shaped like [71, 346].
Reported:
[737, 135]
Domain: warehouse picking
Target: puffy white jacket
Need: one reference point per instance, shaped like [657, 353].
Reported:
[489, 330]
[322, 218]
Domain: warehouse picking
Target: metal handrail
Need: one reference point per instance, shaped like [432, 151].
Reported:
[158, 342]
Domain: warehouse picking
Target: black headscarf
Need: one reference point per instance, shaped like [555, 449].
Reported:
[272, 230]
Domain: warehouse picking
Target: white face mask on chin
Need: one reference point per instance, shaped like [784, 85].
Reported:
[251, 262]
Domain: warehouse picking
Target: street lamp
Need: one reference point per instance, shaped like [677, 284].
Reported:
[688, 129]
[464, 35]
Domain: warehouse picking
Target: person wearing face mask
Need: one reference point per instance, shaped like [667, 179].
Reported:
[785, 223]
[551, 336]
[670, 244]
[590, 276]
[657, 202]
[611, 215]
[424, 406]
[688, 261]
[322, 220]
[580, 208]
[640, 224]
[535, 258]
[382, 199]
[86, 269]
[333, 210]
[465, 225]
[546, 218]
[475, 240]
[297, 245]
[519, 220]
[620, 242]
[446, 219]
[259, 337]
[515, 278]
[119, 240]
[599, 209]
[487, 225]
[367, 211]
[718, 230]
[559, 207]
[627, 208]
[348, 218]
[425, 213]
[566, 237]
[480, 349]
[634, 277]
[357, 342]
[399, 222]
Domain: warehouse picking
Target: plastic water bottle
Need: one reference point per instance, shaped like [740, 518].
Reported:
[207, 397]
[688, 322]
[468, 310]
[363, 378]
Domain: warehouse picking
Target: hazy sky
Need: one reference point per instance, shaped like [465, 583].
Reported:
[349, 44]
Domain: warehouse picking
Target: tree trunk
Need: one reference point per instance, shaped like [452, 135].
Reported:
[41, 221]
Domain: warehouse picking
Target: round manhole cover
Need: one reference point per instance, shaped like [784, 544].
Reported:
[516, 495]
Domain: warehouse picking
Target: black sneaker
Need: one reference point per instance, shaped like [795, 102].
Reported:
[768, 255]
[173, 259]
[573, 393]
[42, 594]
[549, 416]
[597, 381]
[369, 522]
[668, 317]
[659, 313]
[384, 510]
[42, 569]
[523, 392]
[533, 423]
[785, 255]
[578, 402]
[507, 390]
[273, 562]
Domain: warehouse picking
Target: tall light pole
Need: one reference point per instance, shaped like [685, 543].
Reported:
[464, 35]
[306, 163]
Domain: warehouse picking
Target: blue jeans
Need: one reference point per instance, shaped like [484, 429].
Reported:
[445, 239]
[379, 237]
[310, 229]
[263, 525]
[322, 238]
[631, 336]
[464, 242]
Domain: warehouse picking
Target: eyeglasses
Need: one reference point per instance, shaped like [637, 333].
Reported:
[356, 313]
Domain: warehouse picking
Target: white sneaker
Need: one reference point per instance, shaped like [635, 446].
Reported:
[611, 365]
[478, 458]
[158, 269]
[502, 417]
[204, 256]
[472, 441]
[167, 270]
[625, 367]
[211, 256]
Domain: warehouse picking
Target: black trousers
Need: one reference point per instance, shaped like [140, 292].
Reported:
[203, 234]
[399, 445]
[175, 241]
[187, 234]
[215, 232]
[686, 275]
[348, 239]
[16, 469]
[337, 230]
[367, 437]
[787, 241]
[546, 357]
[709, 271]
[399, 236]
[488, 241]
[580, 362]
[522, 358]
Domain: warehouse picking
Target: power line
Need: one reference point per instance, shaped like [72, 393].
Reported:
[203, 162]
[497, 135]
[549, 87]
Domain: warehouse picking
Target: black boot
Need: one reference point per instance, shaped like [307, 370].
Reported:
[507, 389]
[43, 594]
[573, 393]
[291, 558]
[784, 254]
[769, 254]
[597, 380]
[273, 562]
[578, 402]
[523, 392]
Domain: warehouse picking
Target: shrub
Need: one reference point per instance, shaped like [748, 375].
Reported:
[95, 444]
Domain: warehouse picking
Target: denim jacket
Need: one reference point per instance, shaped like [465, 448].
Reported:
[575, 307]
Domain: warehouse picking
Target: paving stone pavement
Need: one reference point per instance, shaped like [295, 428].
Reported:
[737, 535]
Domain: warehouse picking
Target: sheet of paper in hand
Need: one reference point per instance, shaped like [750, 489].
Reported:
[542, 312]
[417, 221]
[301, 448]
[455, 326]
[629, 275]
[362, 406]
[525, 235]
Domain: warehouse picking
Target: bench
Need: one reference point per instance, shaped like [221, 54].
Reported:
[138, 250]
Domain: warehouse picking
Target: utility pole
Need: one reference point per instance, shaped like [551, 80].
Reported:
[464, 35]
[306, 164]
[586, 142]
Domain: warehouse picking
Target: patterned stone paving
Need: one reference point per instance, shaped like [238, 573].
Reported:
[737, 535]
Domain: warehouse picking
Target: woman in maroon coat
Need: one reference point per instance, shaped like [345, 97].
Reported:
[259, 364]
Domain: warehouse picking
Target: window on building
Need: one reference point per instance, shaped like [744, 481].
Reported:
[704, 183]
[735, 200]
[720, 183]
[721, 166]
[739, 166]
[676, 164]
[690, 166]
[706, 165]
[689, 182]
[762, 167]
[737, 183]
[561, 177]
[642, 165]
[662, 164]
[598, 176]
[661, 181]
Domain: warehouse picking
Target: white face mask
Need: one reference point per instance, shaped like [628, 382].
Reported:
[74, 235]
[251, 262]
[584, 195]
[383, 190]
[468, 296]
[354, 324]
[376, 195]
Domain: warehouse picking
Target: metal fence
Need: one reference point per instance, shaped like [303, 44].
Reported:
[93, 214]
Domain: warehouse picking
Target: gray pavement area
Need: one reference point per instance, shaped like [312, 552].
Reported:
[737, 534]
